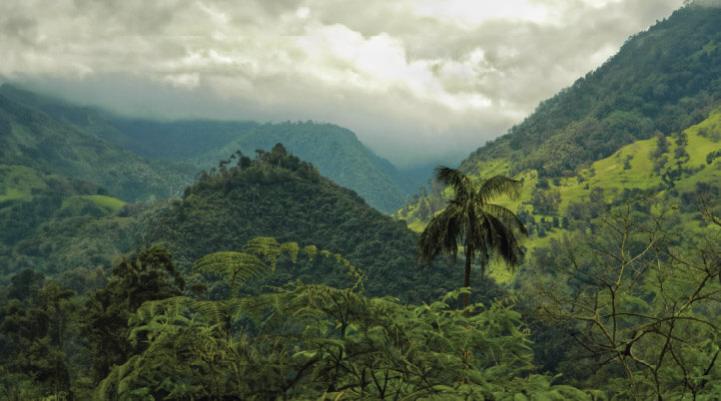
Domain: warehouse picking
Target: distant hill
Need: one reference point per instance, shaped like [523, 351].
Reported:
[280, 196]
[338, 155]
[55, 224]
[187, 146]
[31, 137]
[335, 151]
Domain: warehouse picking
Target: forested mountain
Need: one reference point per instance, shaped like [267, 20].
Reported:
[643, 121]
[337, 154]
[32, 138]
[191, 145]
[278, 195]
[335, 151]
[63, 227]
[266, 280]
[662, 80]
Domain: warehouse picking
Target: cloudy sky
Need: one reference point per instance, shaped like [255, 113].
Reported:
[417, 80]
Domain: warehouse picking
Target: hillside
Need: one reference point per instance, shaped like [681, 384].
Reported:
[335, 151]
[661, 81]
[55, 225]
[74, 230]
[681, 170]
[188, 146]
[338, 155]
[278, 195]
[33, 138]
[644, 126]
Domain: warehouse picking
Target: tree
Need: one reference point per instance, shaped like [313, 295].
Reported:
[634, 307]
[470, 219]
[313, 342]
[145, 276]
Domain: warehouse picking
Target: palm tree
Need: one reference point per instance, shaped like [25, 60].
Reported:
[471, 220]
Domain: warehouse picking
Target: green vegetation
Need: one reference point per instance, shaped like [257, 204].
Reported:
[151, 336]
[32, 138]
[278, 195]
[484, 229]
[634, 301]
[267, 281]
[663, 80]
[337, 154]
[177, 150]
[639, 170]
[19, 182]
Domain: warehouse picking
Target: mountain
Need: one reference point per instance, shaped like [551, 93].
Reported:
[71, 232]
[644, 126]
[661, 81]
[338, 155]
[335, 151]
[32, 138]
[189, 146]
[278, 195]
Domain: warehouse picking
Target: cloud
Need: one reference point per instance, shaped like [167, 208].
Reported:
[418, 80]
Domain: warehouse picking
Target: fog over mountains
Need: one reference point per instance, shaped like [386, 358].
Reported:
[417, 81]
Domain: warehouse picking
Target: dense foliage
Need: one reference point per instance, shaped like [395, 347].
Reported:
[179, 149]
[32, 138]
[267, 281]
[146, 336]
[278, 195]
[632, 308]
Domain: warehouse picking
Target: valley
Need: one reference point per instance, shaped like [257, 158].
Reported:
[575, 257]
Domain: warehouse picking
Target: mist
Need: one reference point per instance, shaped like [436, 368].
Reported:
[416, 83]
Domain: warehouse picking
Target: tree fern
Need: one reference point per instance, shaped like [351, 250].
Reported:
[259, 257]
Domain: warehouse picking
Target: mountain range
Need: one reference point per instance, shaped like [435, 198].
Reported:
[173, 152]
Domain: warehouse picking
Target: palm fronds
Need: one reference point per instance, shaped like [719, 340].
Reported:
[455, 179]
[498, 186]
[471, 220]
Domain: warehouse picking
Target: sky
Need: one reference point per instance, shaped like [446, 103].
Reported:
[419, 81]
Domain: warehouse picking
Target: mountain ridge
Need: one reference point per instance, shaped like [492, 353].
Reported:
[193, 145]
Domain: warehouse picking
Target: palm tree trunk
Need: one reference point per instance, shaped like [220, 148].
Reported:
[467, 278]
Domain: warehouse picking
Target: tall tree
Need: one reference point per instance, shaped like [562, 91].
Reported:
[470, 220]
[148, 275]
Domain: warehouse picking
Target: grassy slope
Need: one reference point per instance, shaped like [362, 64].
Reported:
[107, 203]
[18, 182]
[609, 174]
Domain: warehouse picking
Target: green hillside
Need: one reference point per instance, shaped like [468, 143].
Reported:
[336, 152]
[615, 132]
[664, 167]
[54, 224]
[183, 148]
[662, 80]
[278, 195]
[30, 137]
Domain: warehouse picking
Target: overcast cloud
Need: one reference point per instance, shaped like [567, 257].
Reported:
[417, 80]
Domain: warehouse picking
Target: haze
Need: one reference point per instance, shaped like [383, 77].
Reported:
[417, 80]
